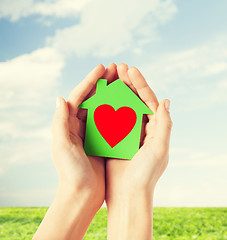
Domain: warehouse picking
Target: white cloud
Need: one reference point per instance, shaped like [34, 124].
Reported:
[219, 95]
[14, 10]
[28, 88]
[192, 179]
[28, 147]
[196, 76]
[200, 159]
[107, 29]
[27, 198]
[195, 195]
[26, 78]
[28, 82]
[190, 65]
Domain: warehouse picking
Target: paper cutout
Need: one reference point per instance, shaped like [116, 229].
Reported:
[123, 137]
[113, 125]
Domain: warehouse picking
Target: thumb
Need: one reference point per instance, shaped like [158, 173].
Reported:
[164, 122]
[60, 126]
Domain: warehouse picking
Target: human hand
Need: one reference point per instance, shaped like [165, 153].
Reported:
[76, 170]
[130, 183]
[81, 188]
[142, 172]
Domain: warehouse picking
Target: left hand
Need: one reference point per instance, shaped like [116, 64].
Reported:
[141, 173]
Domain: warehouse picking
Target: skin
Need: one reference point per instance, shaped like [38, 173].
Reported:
[86, 181]
[130, 184]
[81, 177]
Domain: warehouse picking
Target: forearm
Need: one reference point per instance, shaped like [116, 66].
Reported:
[131, 217]
[68, 216]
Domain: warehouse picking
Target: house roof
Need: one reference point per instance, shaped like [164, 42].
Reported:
[116, 94]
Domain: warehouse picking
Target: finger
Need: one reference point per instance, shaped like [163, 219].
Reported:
[81, 91]
[164, 122]
[82, 114]
[76, 127]
[82, 129]
[143, 89]
[110, 72]
[116, 76]
[143, 133]
[122, 70]
[60, 126]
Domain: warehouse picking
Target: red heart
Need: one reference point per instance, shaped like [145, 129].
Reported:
[113, 125]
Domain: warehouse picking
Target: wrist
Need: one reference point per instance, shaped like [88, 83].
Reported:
[127, 192]
[129, 212]
[84, 195]
[69, 215]
[129, 198]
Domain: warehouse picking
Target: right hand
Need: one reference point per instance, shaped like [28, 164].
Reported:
[77, 171]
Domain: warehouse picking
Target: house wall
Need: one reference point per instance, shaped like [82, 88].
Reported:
[96, 145]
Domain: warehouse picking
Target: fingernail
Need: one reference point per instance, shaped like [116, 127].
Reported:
[57, 102]
[167, 105]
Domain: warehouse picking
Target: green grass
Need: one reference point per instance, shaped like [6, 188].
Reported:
[169, 223]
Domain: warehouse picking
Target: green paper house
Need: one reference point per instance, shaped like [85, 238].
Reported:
[114, 121]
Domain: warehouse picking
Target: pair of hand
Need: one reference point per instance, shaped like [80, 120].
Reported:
[110, 179]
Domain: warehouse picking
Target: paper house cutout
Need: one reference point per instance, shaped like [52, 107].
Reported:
[114, 120]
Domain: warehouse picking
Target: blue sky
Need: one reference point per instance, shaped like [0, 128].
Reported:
[47, 47]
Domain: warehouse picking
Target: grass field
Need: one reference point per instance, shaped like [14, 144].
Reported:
[169, 223]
